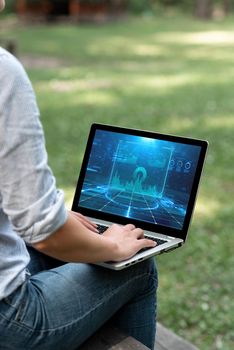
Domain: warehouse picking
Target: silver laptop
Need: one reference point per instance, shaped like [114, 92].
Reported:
[140, 177]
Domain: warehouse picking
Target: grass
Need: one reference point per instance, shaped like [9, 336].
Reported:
[168, 74]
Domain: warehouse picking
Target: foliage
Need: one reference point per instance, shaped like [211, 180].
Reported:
[142, 6]
[139, 6]
[10, 6]
[168, 74]
[153, 6]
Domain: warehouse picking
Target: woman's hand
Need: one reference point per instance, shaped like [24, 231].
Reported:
[77, 241]
[128, 240]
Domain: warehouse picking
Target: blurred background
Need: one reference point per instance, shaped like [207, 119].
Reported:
[160, 65]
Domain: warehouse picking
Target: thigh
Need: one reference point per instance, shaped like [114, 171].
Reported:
[65, 305]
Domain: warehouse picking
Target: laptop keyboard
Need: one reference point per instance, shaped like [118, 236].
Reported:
[102, 228]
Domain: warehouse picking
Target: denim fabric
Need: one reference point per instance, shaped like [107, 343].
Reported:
[61, 307]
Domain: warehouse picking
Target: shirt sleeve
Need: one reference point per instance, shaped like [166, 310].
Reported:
[34, 206]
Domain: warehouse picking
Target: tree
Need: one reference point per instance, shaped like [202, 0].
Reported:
[226, 6]
[204, 8]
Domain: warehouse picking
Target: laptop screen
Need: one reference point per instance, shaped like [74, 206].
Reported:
[139, 177]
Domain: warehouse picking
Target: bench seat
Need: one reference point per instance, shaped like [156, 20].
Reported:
[109, 338]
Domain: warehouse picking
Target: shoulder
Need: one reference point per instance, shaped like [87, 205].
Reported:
[11, 69]
[8, 61]
[14, 82]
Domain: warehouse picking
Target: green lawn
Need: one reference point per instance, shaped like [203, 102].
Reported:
[168, 74]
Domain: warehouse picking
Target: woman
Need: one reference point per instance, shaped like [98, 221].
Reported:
[49, 296]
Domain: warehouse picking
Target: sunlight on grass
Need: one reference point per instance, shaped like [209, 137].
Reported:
[201, 38]
[207, 207]
[76, 85]
[220, 122]
[209, 38]
[166, 81]
[93, 92]
[127, 46]
[96, 98]
[68, 72]
[204, 52]
[149, 50]
[157, 81]
[178, 124]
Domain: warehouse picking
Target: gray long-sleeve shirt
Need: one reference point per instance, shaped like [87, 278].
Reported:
[31, 208]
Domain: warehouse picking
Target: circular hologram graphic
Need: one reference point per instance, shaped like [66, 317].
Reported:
[180, 163]
[131, 193]
[140, 174]
[188, 165]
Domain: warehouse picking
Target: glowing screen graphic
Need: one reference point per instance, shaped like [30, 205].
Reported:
[141, 178]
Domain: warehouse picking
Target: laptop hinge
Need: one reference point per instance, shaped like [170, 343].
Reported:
[172, 248]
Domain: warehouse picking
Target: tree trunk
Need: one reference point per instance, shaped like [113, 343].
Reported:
[226, 6]
[203, 8]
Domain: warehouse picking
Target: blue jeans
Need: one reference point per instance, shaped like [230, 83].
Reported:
[60, 305]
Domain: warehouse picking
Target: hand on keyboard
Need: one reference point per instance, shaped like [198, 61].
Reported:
[128, 240]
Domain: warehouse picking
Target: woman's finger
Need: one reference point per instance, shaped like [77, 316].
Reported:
[139, 233]
[129, 227]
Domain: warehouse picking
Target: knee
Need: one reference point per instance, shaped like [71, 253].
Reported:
[149, 270]
[152, 268]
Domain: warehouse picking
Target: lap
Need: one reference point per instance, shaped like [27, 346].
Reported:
[70, 301]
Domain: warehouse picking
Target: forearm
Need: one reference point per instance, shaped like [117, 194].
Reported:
[73, 242]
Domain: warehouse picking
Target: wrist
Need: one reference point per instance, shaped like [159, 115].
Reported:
[112, 249]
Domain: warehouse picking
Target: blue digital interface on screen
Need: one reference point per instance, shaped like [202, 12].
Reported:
[141, 178]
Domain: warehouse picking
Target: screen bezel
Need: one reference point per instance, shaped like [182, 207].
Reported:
[173, 232]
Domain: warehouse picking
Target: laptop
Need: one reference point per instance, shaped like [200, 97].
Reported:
[140, 177]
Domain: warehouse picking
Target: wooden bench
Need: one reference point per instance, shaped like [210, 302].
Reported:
[108, 338]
